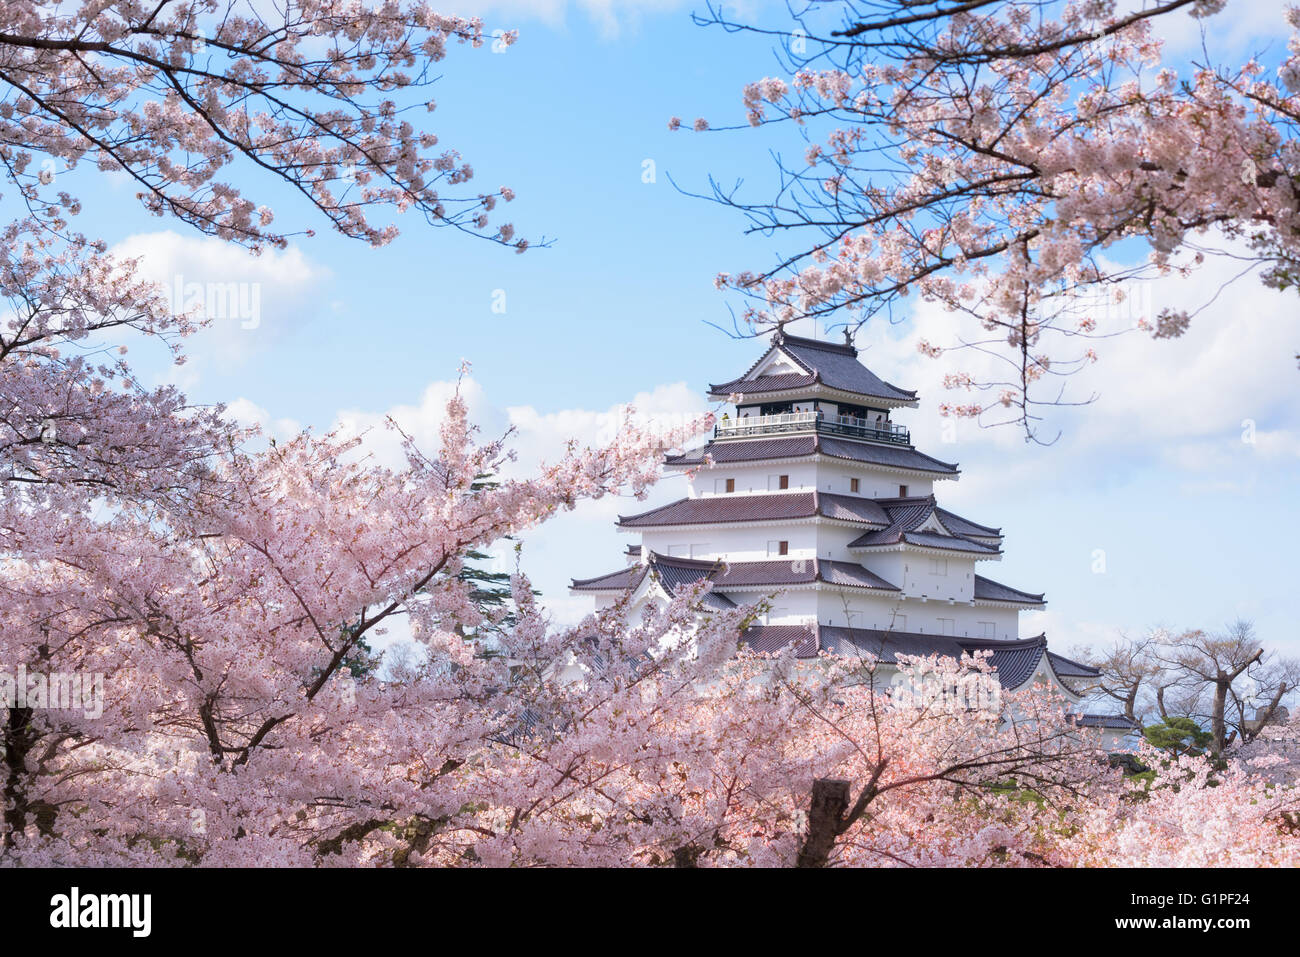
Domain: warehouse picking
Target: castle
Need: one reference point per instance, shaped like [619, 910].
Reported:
[811, 491]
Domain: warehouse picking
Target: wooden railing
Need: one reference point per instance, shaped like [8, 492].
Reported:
[789, 422]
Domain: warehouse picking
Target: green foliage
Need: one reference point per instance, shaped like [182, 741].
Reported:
[1012, 790]
[490, 593]
[1178, 736]
[488, 590]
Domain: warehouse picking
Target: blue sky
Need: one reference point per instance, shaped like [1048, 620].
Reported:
[1196, 525]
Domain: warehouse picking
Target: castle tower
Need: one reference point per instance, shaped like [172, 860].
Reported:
[809, 490]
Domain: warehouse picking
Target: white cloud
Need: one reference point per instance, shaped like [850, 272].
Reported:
[1237, 31]
[579, 543]
[1066, 634]
[537, 436]
[247, 412]
[541, 435]
[1214, 399]
[250, 299]
[612, 16]
[421, 421]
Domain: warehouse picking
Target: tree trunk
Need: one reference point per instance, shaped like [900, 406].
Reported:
[1218, 724]
[687, 856]
[19, 737]
[826, 810]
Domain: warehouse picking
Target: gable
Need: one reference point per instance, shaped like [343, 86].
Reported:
[932, 524]
[774, 363]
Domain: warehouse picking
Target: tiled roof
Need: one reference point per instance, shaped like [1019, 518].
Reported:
[1068, 668]
[715, 509]
[989, 590]
[953, 543]
[1117, 721]
[891, 455]
[851, 573]
[676, 572]
[851, 508]
[770, 639]
[620, 580]
[909, 514]
[672, 573]
[1016, 665]
[729, 508]
[798, 446]
[834, 366]
[719, 602]
[1015, 661]
[964, 526]
[798, 571]
[764, 383]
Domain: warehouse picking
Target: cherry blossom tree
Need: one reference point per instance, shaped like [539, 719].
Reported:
[229, 729]
[133, 525]
[993, 156]
[222, 593]
[719, 759]
[1194, 814]
[187, 99]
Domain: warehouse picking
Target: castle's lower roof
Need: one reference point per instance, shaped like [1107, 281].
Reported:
[1110, 721]
[986, 589]
[1068, 668]
[674, 573]
[1016, 660]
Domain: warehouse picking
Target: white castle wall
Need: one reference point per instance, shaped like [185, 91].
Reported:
[827, 477]
[739, 544]
[936, 578]
[852, 609]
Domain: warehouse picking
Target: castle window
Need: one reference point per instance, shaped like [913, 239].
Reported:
[731, 485]
[902, 491]
[853, 485]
